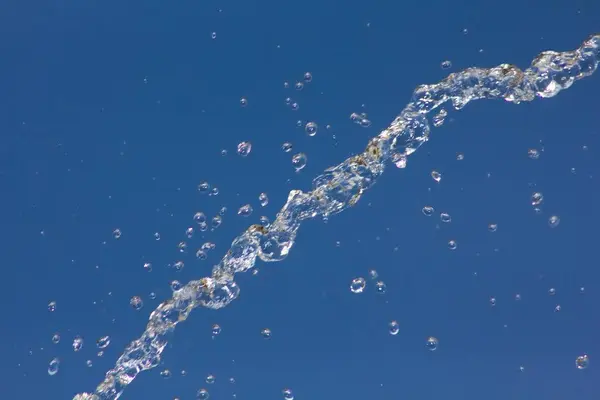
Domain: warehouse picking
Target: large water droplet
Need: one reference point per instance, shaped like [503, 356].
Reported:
[288, 394]
[582, 362]
[244, 148]
[311, 128]
[53, 366]
[432, 343]
[136, 302]
[358, 285]
[202, 394]
[299, 161]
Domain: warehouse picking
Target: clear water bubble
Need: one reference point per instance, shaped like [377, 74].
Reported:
[307, 77]
[288, 100]
[311, 128]
[136, 302]
[394, 328]
[201, 255]
[299, 86]
[432, 343]
[244, 148]
[436, 176]
[222, 211]
[148, 267]
[175, 285]
[216, 221]
[553, 221]
[243, 102]
[452, 244]
[492, 227]
[492, 301]
[117, 233]
[582, 362]
[266, 333]
[214, 191]
[460, 156]
[245, 210]
[358, 285]
[288, 394]
[287, 147]
[551, 291]
[286, 85]
[203, 187]
[77, 343]
[89, 363]
[189, 232]
[517, 297]
[299, 123]
[263, 199]
[199, 217]
[182, 247]
[166, 374]
[295, 106]
[299, 161]
[380, 287]
[264, 221]
[53, 366]
[534, 154]
[213, 35]
[56, 338]
[216, 330]
[203, 226]
[202, 394]
[156, 236]
[208, 246]
[178, 266]
[373, 274]
[428, 211]
[446, 64]
[537, 198]
[210, 379]
[445, 217]
[52, 306]
[224, 152]
[103, 342]
[439, 118]
[152, 295]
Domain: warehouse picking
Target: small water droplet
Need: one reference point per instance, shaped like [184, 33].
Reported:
[537, 198]
[243, 102]
[263, 199]
[117, 233]
[213, 35]
[432, 343]
[202, 394]
[358, 285]
[210, 379]
[266, 333]
[582, 362]
[452, 245]
[307, 77]
[244, 148]
[446, 64]
[428, 211]
[216, 330]
[136, 302]
[436, 176]
[380, 287]
[203, 187]
[199, 217]
[103, 342]
[216, 221]
[77, 343]
[52, 306]
[245, 210]
[534, 154]
[288, 394]
[394, 328]
[299, 86]
[287, 147]
[553, 221]
[445, 217]
[53, 366]
[492, 227]
[56, 338]
[311, 128]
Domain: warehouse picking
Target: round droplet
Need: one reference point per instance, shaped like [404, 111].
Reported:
[492, 227]
[103, 342]
[299, 85]
[182, 246]
[189, 232]
[216, 330]
[380, 287]
[136, 302]
[460, 156]
[307, 77]
[199, 217]
[243, 102]
[52, 306]
[287, 147]
[295, 106]
[203, 226]
[446, 64]
[553, 221]
[537, 198]
[492, 301]
[311, 128]
[452, 245]
[77, 343]
[288, 394]
[89, 363]
[245, 210]
[202, 394]
[244, 148]
[266, 333]
[394, 328]
[373, 274]
[165, 374]
[56, 338]
[222, 211]
[445, 217]
[217, 221]
[53, 366]
[358, 285]
[534, 154]
[214, 191]
[582, 362]
[117, 233]
[551, 291]
[152, 295]
[436, 176]
[264, 221]
[432, 343]
[148, 267]
[299, 161]
[210, 379]
[176, 285]
[201, 255]
[263, 199]
[428, 211]
[156, 236]
[178, 266]
[213, 35]
[203, 187]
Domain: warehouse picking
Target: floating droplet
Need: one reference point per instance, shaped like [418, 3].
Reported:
[358, 285]
[264, 221]
[165, 374]
[537, 198]
[460, 156]
[551, 291]
[582, 362]
[436, 176]
[311, 128]
[440, 118]
[492, 227]
[445, 217]
[299, 161]
[553, 221]
[245, 210]
[77, 343]
[266, 333]
[428, 211]
[210, 379]
[213, 35]
[380, 287]
[299, 85]
[152, 295]
[182, 246]
[244, 148]
[148, 267]
[217, 221]
[452, 245]
[295, 106]
[287, 147]
[394, 328]
[373, 274]
[446, 64]
[534, 154]
[243, 102]
[214, 191]
[156, 236]
[89, 363]
[201, 255]
[307, 77]
[117, 233]
[53, 366]
[216, 330]
[288, 394]
[189, 232]
[136, 302]
[202, 394]
[103, 342]
[178, 266]
[263, 199]
[199, 217]
[56, 338]
[52, 306]
[175, 285]
[492, 301]
[432, 343]
[203, 187]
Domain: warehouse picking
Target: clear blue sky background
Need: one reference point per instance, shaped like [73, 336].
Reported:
[86, 146]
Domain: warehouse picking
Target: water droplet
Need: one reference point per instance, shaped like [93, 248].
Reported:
[311, 128]
[214, 191]
[492, 227]
[203, 187]
[222, 211]
[243, 102]
[445, 217]
[534, 154]
[452, 245]
[201, 255]
[213, 35]
[189, 232]
[299, 85]
[263, 199]
[77, 343]
[178, 266]
[439, 118]
[264, 221]
[199, 217]
[56, 338]
[165, 374]
[380, 287]
[176, 285]
[287, 147]
[553, 221]
[492, 301]
[358, 285]
[428, 211]
[465, 31]
[582, 362]
[202, 394]
[152, 295]
[245, 210]
[156, 236]
[288, 394]
[182, 246]
[295, 106]
[210, 379]
[53, 366]
[436, 176]
[373, 274]
[103, 342]
[551, 291]
[148, 267]
[136, 302]
[266, 333]
[52, 306]
[217, 221]
[307, 77]
[537, 198]
[299, 161]
[89, 363]
[117, 233]
[446, 64]
[244, 148]
[216, 330]
[460, 156]
[432, 343]
[394, 328]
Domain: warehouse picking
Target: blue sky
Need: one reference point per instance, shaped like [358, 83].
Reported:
[113, 114]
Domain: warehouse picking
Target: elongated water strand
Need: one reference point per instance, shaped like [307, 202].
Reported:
[341, 187]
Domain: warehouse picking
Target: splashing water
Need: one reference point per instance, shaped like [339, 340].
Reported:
[339, 188]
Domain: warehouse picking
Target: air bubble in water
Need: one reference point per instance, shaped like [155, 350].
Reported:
[53, 366]
[202, 394]
[446, 64]
[445, 217]
[537, 198]
[534, 154]
[380, 287]
[492, 227]
[428, 211]
[452, 245]
[214, 191]
[243, 102]
[299, 85]
[156, 235]
[103, 342]
[216, 330]
[553, 221]
[245, 210]
[439, 118]
[264, 221]
[213, 35]
[582, 362]
[52, 306]
[201, 255]
[263, 199]
[178, 266]
[394, 328]
[266, 333]
[552, 291]
[492, 301]
[175, 285]
[436, 176]
[432, 343]
[166, 374]
[189, 232]
[117, 233]
[210, 379]
[288, 394]
[136, 302]
[203, 187]
[373, 274]
[77, 343]
[307, 77]
[148, 267]
[216, 221]
[244, 148]
[287, 147]
[358, 285]
[295, 106]
[89, 363]
[311, 128]
[460, 156]
[199, 217]
[182, 246]
[56, 338]
[299, 161]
